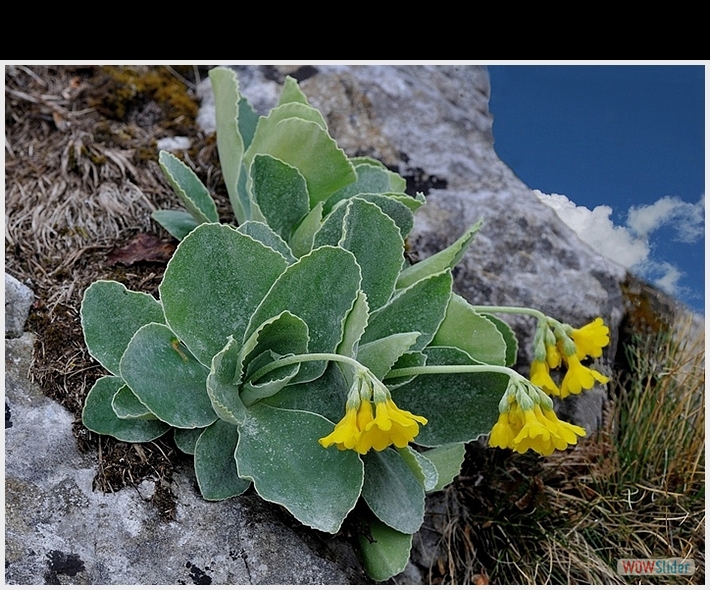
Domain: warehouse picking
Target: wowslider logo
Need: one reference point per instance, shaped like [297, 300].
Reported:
[674, 566]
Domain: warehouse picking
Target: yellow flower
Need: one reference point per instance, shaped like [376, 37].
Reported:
[538, 429]
[590, 339]
[579, 377]
[346, 432]
[390, 426]
[540, 376]
[553, 358]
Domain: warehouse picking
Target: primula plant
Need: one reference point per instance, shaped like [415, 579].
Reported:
[300, 353]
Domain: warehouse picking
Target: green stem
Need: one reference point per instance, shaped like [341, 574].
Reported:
[512, 310]
[305, 358]
[444, 369]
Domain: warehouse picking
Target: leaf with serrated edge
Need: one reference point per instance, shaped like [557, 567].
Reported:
[465, 329]
[330, 277]
[424, 470]
[302, 240]
[280, 192]
[229, 140]
[380, 355]
[212, 285]
[110, 316]
[279, 451]
[98, 415]
[215, 466]
[392, 491]
[178, 223]
[511, 340]
[261, 232]
[418, 308]
[189, 189]
[444, 260]
[166, 378]
[126, 405]
[221, 386]
[474, 395]
[448, 460]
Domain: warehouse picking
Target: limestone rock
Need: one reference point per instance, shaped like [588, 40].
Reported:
[58, 530]
[18, 300]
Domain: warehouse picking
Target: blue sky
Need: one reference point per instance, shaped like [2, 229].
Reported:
[619, 151]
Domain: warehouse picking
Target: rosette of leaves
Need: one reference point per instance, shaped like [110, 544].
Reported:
[317, 266]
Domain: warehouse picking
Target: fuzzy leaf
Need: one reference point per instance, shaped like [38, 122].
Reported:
[212, 285]
[388, 554]
[331, 279]
[186, 439]
[302, 240]
[261, 232]
[444, 260]
[166, 378]
[125, 404]
[418, 308]
[98, 415]
[474, 396]
[215, 466]
[177, 223]
[380, 355]
[392, 491]
[230, 144]
[306, 146]
[279, 451]
[465, 329]
[511, 340]
[448, 460]
[281, 194]
[110, 316]
[222, 384]
[424, 469]
[189, 188]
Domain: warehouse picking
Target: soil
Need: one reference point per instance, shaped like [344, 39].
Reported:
[82, 178]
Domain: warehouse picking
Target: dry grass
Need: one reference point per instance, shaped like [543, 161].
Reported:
[634, 491]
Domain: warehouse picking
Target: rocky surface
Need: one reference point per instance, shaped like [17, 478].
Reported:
[58, 530]
[433, 125]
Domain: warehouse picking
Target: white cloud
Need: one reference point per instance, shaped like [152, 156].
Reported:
[629, 246]
[598, 230]
[688, 219]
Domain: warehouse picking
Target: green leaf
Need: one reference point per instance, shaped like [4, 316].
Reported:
[392, 491]
[448, 460]
[306, 146]
[177, 223]
[331, 279]
[186, 439]
[110, 316]
[264, 234]
[324, 396]
[393, 207]
[444, 260]
[189, 188]
[98, 415]
[215, 466]
[247, 121]
[397, 183]
[422, 468]
[380, 355]
[281, 194]
[374, 239]
[511, 340]
[222, 384]
[459, 407]
[389, 553]
[465, 329]
[279, 451]
[408, 359]
[166, 378]
[230, 145]
[355, 324]
[302, 241]
[290, 92]
[212, 285]
[370, 179]
[418, 308]
[299, 111]
[279, 336]
[126, 405]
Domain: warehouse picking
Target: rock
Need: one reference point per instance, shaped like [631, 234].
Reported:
[18, 300]
[58, 530]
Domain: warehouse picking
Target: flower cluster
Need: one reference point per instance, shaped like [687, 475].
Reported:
[362, 429]
[528, 421]
[557, 343]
